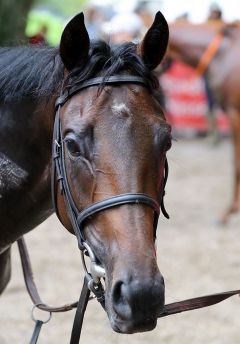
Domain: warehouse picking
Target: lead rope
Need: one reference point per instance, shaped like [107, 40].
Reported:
[170, 309]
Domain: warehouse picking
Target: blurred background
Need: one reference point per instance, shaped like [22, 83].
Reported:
[42, 22]
[196, 254]
[29, 17]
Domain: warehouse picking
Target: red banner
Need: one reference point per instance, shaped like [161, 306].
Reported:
[186, 102]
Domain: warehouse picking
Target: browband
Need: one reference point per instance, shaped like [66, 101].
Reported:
[114, 79]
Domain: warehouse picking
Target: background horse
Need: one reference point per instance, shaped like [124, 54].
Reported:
[188, 43]
[115, 138]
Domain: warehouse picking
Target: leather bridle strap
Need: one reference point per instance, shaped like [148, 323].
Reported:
[82, 305]
[112, 80]
[79, 316]
[31, 286]
[196, 303]
[127, 198]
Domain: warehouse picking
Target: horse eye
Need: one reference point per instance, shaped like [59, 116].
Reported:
[72, 147]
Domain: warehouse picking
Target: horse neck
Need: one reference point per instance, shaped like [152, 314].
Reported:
[188, 42]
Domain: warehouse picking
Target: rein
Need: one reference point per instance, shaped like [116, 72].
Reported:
[92, 280]
[169, 309]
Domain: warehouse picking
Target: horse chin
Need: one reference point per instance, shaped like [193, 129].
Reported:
[132, 326]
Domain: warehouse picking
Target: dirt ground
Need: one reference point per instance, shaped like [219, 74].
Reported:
[195, 254]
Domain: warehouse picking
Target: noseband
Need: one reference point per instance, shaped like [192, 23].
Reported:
[59, 174]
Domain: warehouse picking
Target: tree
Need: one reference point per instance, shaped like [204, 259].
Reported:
[13, 16]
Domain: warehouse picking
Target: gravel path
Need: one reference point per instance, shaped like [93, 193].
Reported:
[195, 254]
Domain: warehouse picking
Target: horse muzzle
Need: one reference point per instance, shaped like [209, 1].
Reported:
[135, 303]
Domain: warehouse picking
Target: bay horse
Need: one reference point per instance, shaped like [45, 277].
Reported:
[114, 141]
[188, 43]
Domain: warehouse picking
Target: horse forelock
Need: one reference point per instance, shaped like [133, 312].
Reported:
[37, 72]
[105, 60]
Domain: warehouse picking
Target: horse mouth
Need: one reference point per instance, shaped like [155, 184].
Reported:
[132, 326]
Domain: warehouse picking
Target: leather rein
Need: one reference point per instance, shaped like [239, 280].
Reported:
[92, 280]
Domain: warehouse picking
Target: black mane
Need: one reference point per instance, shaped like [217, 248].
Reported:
[37, 72]
[29, 71]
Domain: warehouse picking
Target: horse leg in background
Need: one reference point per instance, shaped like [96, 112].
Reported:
[212, 129]
[5, 268]
[235, 125]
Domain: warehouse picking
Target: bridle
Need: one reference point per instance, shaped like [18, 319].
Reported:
[92, 280]
[59, 175]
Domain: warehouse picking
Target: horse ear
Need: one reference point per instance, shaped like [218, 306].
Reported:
[74, 45]
[154, 44]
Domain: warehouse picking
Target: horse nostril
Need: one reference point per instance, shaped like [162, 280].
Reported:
[120, 303]
[138, 297]
[117, 296]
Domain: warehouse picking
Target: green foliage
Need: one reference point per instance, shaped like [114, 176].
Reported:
[52, 14]
[37, 19]
[65, 8]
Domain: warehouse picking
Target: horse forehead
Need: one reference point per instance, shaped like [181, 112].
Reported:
[118, 108]
[85, 108]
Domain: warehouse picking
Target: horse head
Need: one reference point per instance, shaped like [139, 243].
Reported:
[115, 139]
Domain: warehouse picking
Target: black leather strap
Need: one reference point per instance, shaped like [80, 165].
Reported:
[79, 315]
[115, 79]
[36, 332]
[196, 303]
[127, 198]
[162, 205]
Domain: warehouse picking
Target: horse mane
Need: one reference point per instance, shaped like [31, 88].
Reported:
[37, 72]
[29, 71]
